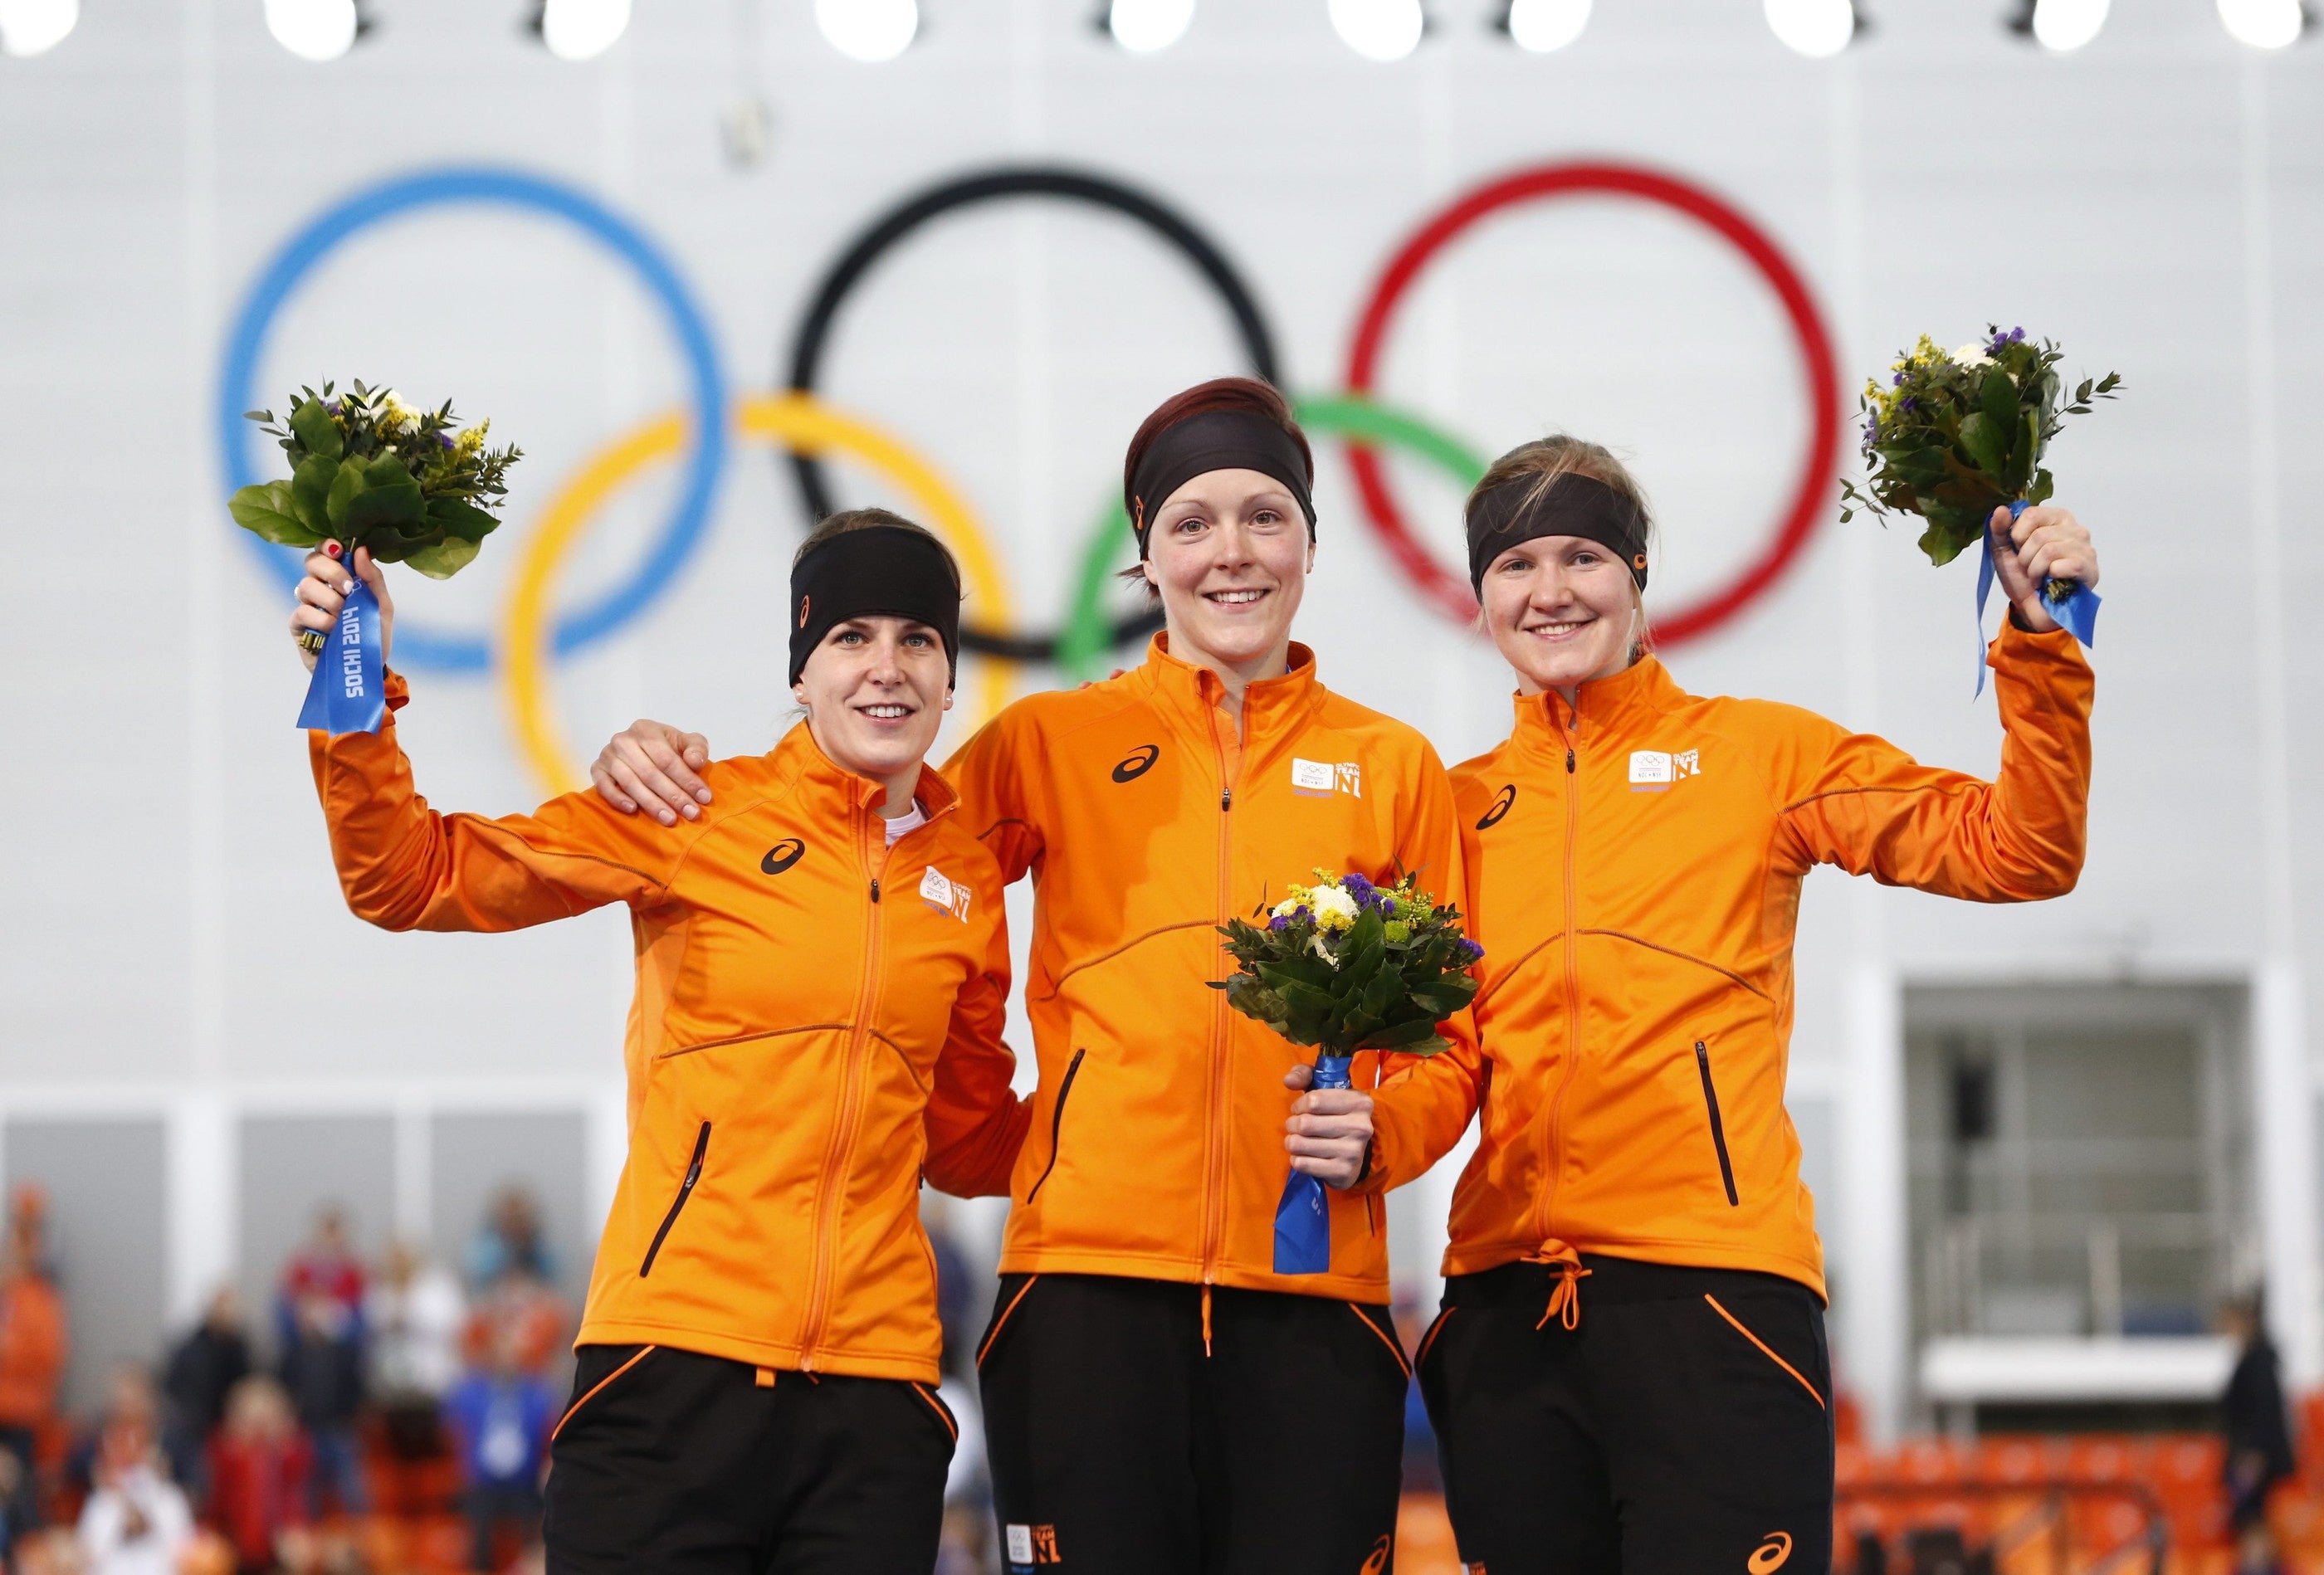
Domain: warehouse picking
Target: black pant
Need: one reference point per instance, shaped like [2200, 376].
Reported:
[1681, 1426]
[1141, 1426]
[492, 1506]
[691, 1465]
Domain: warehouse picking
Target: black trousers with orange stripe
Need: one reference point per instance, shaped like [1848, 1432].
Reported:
[1133, 1430]
[684, 1464]
[1678, 1427]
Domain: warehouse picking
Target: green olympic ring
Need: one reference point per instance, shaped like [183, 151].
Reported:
[1088, 633]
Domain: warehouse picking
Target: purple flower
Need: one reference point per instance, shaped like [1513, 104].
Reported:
[1470, 951]
[1897, 380]
[1356, 886]
[1908, 403]
[444, 439]
[1278, 924]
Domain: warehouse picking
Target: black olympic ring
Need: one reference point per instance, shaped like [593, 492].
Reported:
[993, 185]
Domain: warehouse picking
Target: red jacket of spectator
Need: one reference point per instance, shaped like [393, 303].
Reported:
[31, 1351]
[258, 1486]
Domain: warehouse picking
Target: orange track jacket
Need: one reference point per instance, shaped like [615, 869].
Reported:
[1148, 820]
[818, 1017]
[1634, 877]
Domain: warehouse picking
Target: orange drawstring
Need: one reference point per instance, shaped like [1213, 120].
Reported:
[1206, 1321]
[1565, 1296]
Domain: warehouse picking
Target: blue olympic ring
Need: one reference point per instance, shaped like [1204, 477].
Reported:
[510, 189]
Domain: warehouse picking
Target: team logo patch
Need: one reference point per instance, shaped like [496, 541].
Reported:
[1137, 762]
[1655, 770]
[1770, 1555]
[782, 856]
[1029, 1545]
[805, 603]
[942, 895]
[1502, 803]
[1323, 779]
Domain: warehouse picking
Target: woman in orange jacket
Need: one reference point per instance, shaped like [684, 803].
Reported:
[1157, 1398]
[822, 971]
[1630, 1372]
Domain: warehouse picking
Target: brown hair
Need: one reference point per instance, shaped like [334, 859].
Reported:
[1250, 394]
[1562, 454]
[848, 519]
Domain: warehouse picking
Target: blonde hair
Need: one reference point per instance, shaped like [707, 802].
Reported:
[1546, 459]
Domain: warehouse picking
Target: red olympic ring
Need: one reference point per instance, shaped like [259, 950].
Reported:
[1449, 590]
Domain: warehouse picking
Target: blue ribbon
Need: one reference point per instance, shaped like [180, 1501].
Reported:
[1303, 1220]
[348, 692]
[2078, 614]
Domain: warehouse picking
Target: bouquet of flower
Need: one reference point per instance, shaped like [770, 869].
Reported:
[1954, 436]
[369, 471]
[1345, 965]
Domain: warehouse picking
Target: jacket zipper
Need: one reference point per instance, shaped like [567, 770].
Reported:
[685, 1191]
[840, 1151]
[1718, 1127]
[1214, 1138]
[1554, 1129]
[1057, 1123]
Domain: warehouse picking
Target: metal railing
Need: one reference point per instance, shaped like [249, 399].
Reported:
[2038, 1538]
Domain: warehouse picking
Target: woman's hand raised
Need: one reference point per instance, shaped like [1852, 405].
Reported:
[323, 591]
[652, 765]
[1330, 1130]
[2041, 544]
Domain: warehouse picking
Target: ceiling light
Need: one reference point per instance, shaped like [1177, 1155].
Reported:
[314, 29]
[1543, 25]
[34, 27]
[2067, 24]
[2264, 24]
[1817, 29]
[582, 30]
[1143, 26]
[1379, 29]
[867, 30]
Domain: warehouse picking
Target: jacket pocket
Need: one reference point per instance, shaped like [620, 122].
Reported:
[1385, 1330]
[685, 1191]
[1718, 1127]
[599, 1387]
[944, 1418]
[1057, 1122]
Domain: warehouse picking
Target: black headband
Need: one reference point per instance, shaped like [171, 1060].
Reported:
[1216, 440]
[1573, 505]
[881, 570]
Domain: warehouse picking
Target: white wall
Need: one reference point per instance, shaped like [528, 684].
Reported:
[2155, 201]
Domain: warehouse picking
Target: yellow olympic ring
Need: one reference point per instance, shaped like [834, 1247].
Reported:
[800, 422]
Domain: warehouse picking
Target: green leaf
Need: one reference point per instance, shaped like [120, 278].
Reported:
[446, 558]
[460, 518]
[347, 483]
[310, 492]
[1998, 401]
[265, 512]
[312, 425]
[395, 505]
[1399, 1035]
[1982, 437]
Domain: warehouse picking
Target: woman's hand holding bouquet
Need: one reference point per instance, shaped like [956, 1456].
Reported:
[1344, 965]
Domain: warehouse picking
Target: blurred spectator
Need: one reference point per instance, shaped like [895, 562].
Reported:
[955, 1285]
[521, 1312]
[510, 1241]
[31, 1349]
[2258, 1435]
[320, 1310]
[261, 1472]
[502, 1415]
[134, 1521]
[202, 1370]
[132, 1409]
[415, 1315]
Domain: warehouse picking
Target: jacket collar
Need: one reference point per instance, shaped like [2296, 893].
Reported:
[799, 758]
[1618, 705]
[1271, 707]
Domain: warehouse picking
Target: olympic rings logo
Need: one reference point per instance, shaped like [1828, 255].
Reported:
[797, 421]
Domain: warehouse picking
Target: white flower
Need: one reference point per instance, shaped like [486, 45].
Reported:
[1315, 945]
[1291, 904]
[1334, 908]
[1972, 354]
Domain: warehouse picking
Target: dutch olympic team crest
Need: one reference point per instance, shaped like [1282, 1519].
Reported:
[793, 417]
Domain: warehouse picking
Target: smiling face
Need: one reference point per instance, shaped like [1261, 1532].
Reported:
[876, 691]
[1561, 610]
[1229, 553]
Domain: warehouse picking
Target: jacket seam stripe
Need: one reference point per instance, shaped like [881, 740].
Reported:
[1428, 1340]
[1058, 1123]
[1058, 983]
[571, 1410]
[1682, 956]
[1394, 1348]
[1764, 1349]
[1005, 1313]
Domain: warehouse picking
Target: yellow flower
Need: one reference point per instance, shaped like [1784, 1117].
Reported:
[472, 440]
[1335, 910]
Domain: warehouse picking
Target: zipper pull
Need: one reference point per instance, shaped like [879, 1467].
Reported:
[1569, 762]
[1226, 798]
[875, 889]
